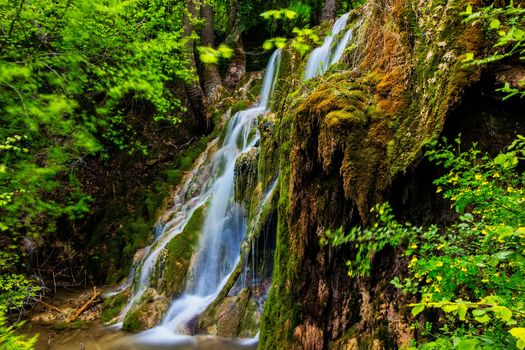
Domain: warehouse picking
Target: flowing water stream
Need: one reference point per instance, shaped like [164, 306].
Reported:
[330, 52]
[210, 185]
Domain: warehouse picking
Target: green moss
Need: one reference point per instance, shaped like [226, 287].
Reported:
[132, 321]
[362, 127]
[113, 305]
[172, 269]
[185, 163]
[240, 106]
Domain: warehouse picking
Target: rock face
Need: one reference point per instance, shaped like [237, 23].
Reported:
[342, 140]
[148, 312]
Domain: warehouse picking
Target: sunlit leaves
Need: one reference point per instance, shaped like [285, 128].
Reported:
[508, 24]
[519, 333]
[209, 55]
[282, 14]
[277, 43]
[471, 271]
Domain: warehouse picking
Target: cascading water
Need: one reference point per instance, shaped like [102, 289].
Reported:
[210, 184]
[326, 55]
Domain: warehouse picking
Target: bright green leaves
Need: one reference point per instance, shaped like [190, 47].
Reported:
[484, 311]
[519, 333]
[469, 57]
[417, 309]
[10, 340]
[76, 77]
[471, 271]
[209, 55]
[508, 25]
[494, 24]
[289, 20]
[277, 43]
[474, 272]
[282, 14]
[368, 241]
[468, 11]
[481, 316]
[507, 160]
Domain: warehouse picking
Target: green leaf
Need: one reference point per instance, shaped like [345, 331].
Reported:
[519, 333]
[417, 309]
[504, 255]
[482, 318]
[268, 45]
[225, 51]
[462, 311]
[451, 308]
[495, 24]
[467, 344]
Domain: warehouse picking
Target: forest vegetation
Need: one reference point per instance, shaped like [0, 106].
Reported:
[106, 105]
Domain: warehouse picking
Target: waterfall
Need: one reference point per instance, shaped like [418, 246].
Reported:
[331, 51]
[210, 184]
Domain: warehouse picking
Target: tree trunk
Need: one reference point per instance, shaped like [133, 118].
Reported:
[193, 89]
[237, 67]
[329, 10]
[210, 72]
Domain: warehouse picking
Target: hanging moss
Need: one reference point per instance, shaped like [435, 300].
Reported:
[341, 139]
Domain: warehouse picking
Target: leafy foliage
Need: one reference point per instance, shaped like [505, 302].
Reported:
[472, 271]
[208, 55]
[508, 23]
[304, 39]
[73, 77]
[10, 340]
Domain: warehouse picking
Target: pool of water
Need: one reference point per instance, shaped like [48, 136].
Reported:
[95, 336]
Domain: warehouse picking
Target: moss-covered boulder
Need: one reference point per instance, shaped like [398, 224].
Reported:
[174, 262]
[148, 312]
[233, 317]
[246, 175]
[342, 139]
[169, 276]
[113, 305]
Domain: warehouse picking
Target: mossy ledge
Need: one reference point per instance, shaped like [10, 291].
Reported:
[342, 139]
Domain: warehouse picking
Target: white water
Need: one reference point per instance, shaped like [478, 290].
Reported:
[330, 52]
[210, 183]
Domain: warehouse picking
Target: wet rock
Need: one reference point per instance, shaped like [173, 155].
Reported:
[148, 312]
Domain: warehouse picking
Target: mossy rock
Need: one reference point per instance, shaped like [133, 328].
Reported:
[147, 313]
[246, 175]
[113, 305]
[172, 267]
[232, 317]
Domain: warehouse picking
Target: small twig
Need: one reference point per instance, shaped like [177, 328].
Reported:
[85, 306]
[51, 306]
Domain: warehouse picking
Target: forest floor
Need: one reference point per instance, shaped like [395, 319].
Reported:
[70, 319]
